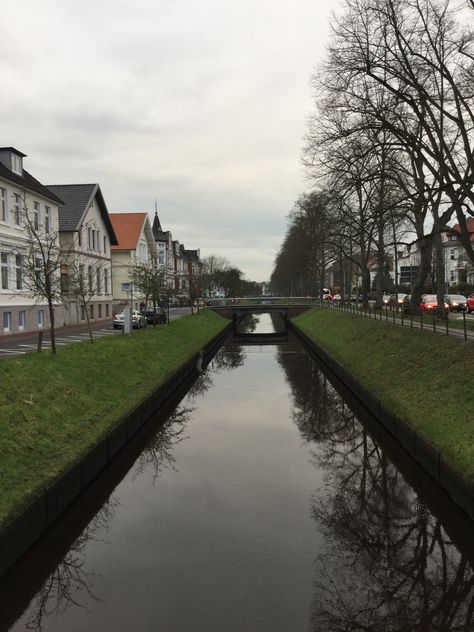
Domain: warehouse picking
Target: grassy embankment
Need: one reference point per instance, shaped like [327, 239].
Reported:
[53, 409]
[427, 379]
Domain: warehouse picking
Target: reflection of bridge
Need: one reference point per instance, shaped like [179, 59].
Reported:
[237, 312]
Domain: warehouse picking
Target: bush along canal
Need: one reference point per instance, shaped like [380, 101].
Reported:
[268, 499]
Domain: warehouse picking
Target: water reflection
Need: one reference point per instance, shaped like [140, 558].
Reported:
[387, 563]
[70, 581]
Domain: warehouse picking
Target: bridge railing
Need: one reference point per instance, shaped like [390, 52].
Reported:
[262, 300]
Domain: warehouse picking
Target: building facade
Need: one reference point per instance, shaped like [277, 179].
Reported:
[24, 202]
[135, 245]
[86, 236]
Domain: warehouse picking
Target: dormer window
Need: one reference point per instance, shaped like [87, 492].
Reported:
[16, 163]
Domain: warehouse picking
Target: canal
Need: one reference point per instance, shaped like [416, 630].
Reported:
[262, 502]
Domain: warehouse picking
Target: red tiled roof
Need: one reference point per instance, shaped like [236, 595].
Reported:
[470, 228]
[127, 227]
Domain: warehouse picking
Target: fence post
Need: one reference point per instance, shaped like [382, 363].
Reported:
[447, 324]
[464, 325]
[40, 341]
[434, 322]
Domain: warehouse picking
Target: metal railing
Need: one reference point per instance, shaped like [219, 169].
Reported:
[414, 319]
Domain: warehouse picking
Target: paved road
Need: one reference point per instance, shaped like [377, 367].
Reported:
[19, 345]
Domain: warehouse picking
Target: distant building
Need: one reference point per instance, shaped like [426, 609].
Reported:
[135, 244]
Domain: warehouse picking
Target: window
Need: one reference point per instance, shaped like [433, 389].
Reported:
[106, 281]
[38, 272]
[99, 289]
[16, 209]
[5, 264]
[83, 312]
[89, 238]
[3, 205]
[106, 309]
[16, 164]
[100, 311]
[105, 243]
[92, 311]
[7, 321]
[21, 320]
[451, 276]
[36, 215]
[91, 280]
[19, 272]
[47, 220]
[453, 254]
[93, 239]
[41, 318]
[64, 279]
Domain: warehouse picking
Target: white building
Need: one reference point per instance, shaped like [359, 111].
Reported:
[21, 193]
[135, 244]
[86, 236]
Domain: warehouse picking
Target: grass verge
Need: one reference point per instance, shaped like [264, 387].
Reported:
[427, 379]
[54, 409]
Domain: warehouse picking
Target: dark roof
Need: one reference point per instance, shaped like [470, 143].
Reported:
[26, 181]
[15, 151]
[156, 228]
[76, 201]
[192, 254]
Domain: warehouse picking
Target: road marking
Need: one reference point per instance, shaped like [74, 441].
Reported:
[10, 351]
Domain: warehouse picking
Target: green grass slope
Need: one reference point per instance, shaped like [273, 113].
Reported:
[427, 379]
[53, 409]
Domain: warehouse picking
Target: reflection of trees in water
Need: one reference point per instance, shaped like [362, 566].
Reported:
[69, 580]
[158, 453]
[248, 324]
[228, 358]
[387, 563]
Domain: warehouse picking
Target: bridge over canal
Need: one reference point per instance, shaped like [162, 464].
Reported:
[237, 312]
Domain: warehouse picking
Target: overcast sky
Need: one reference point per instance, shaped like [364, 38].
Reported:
[200, 103]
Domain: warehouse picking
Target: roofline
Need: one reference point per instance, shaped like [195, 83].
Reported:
[15, 150]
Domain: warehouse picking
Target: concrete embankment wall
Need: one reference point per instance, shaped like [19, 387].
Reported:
[27, 527]
[429, 458]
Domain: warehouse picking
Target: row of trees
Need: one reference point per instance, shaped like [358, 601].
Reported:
[389, 146]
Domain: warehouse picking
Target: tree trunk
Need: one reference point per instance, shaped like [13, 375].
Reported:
[426, 249]
[51, 326]
[89, 327]
[439, 274]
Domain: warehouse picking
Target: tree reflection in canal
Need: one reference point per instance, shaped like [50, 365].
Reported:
[387, 563]
[69, 580]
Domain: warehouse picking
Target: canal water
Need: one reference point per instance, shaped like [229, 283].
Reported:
[261, 503]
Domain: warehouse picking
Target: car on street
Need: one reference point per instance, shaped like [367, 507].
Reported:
[456, 302]
[138, 320]
[395, 300]
[386, 300]
[337, 298]
[470, 303]
[157, 316]
[429, 302]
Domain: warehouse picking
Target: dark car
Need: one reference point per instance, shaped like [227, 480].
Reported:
[159, 318]
[396, 301]
[456, 302]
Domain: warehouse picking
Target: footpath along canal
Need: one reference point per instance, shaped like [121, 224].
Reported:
[264, 501]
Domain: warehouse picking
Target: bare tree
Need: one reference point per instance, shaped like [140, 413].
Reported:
[39, 261]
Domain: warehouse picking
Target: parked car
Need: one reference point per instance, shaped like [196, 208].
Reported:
[386, 300]
[470, 303]
[395, 300]
[337, 298]
[158, 317]
[456, 302]
[138, 320]
[429, 302]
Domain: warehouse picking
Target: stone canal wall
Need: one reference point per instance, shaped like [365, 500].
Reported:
[28, 526]
[429, 458]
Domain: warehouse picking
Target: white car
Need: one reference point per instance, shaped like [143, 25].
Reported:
[138, 320]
